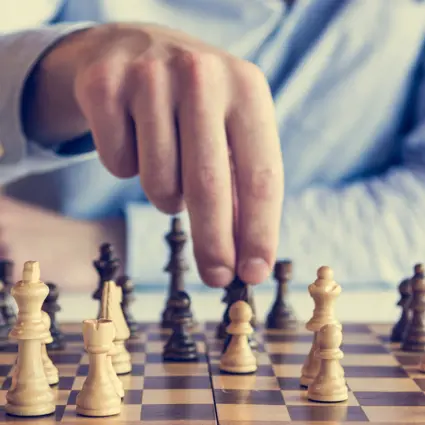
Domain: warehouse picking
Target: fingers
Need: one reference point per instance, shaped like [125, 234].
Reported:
[254, 141]
[205, 166]
[99, 93]
[152, 108]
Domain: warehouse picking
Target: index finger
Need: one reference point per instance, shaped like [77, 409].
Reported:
[258, 171]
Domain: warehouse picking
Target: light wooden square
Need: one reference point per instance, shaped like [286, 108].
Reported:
[245, 382]
[287, 370]
[252, 412]
[299, 398]
[382, 384]
[176, 369]
[177, 396]
[395, 414]
[132, 382]
[67, 369]
[288, 347]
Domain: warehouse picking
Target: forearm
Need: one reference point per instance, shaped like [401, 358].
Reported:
[368, 232]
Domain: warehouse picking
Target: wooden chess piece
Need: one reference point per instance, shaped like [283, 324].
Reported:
[237, 290]
[111, 309]
[127, 288]
[405, 290]
[8, 307]
[50, 369]
[281, 315]
[181, 346]
[118, 385]
[176, 267]
[51, 307]
[329, 385]
[98, 397]
[29, 393]
[106, 266]
[415, 333]
[324, 292]
[238, 357]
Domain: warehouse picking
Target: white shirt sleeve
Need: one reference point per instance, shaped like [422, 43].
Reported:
[19, 53]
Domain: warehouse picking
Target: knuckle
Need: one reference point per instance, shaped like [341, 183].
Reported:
[165, 196]
[261, 184]
[98, 84]
[145, 71]
[251, 81]
[207, 187]
[199, 67]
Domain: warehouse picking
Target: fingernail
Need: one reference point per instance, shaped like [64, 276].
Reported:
[254, 270]
[218, 276]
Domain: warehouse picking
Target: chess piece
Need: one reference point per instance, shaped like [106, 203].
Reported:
[4, 326]
[180, 346]
[51, 307]
[176, 267]
[281, 315]
[329, 384]
[98, 397]
[415, 333]
[29, 393]
[238, 357]
[8, 307]
[127, 288]
[118, 385]
[106, 266]
[324, 292]
[50, 369]
[111, 309]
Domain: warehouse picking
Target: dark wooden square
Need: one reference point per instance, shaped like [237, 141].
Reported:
[356, 328]
[176, 382]
[157, 358]
[420, 382]
[177, 412]
[375, 372]
[137, 369]
[65, 382]
[6, 384]
[408, 360]
[327, 413]
[74, 337]
[83, 370]
[364, 349]
[72, 399]
[289, 383]
[136, 347]
[65, 358]
[263, 397]
[389, 398]
[5, 369]
[287, 358]
[288, 338]
[133, 397]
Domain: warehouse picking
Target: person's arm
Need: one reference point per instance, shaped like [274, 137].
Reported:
[371, 230]
[20, 53]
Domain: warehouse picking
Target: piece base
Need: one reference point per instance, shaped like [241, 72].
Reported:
[237, 370]
[112, 411]
[335, 398]
[30, 411]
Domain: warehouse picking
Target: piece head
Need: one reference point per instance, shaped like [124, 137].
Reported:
[240, 312]
[283, 270]
[106, 251]
[418, 269]
[31, 272]
[126, 284]
[98, 335]
[330, 337]
[176, 225]
[53, 292]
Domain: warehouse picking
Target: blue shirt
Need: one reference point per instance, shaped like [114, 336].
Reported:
[348, 86]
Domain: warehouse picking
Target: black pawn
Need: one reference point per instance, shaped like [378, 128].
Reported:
[106, 266]
[7, 309]
[281, 315]
[181, 346]
[414, 339]
[399, 329]
[51, 307]
[128, 298]
[176, 267]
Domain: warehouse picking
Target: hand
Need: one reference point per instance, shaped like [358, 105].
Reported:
[196, 124]
[65, 248]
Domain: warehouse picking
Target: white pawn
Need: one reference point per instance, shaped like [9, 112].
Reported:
[50, 369]
[238, 357]
[324, 291]
[98, 397]
[329, 385]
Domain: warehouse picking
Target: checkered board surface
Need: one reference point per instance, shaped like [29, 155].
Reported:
[384, 383]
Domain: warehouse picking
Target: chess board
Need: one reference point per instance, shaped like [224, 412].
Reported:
[384, 383]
